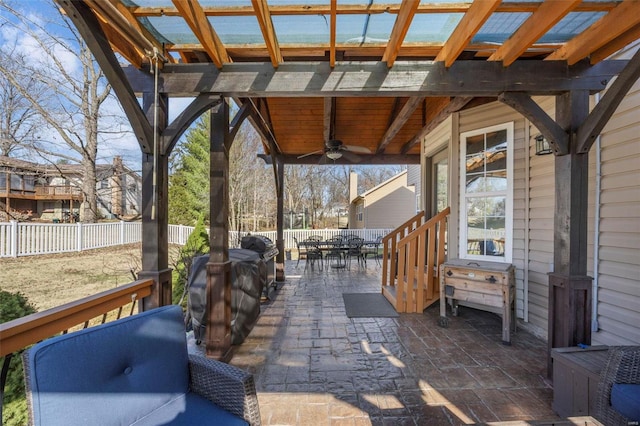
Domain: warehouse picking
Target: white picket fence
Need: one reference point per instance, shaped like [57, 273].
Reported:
[30, 239]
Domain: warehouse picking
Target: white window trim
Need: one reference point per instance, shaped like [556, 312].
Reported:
[508, 240]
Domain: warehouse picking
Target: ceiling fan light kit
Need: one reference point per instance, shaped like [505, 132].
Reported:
[334, 155]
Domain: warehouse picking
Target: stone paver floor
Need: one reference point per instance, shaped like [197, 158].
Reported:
[315, 366]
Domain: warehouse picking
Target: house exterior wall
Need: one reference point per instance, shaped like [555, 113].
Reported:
[388, 205]
[613, 228]
[618, 268]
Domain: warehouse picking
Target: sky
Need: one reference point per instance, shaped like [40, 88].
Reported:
[120, 139]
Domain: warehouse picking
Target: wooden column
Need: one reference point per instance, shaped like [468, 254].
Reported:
[280, 277]
[569, 286]
[155, 207]
[218, 336]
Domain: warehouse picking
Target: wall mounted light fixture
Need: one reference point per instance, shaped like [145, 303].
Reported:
[543, 147]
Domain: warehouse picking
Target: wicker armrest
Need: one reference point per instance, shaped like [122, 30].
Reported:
[225, 385]
[623, 366]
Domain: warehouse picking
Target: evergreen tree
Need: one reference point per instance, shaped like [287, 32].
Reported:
[189, 182]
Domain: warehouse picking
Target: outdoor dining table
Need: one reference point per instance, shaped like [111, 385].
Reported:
[328, 246]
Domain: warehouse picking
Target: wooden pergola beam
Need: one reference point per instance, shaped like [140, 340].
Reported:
[378, 159]
[602, 112]
[181, 123]
[618, 21]
[614, 45]
[405, 113]
[318, 79]
[469, 25]
[90, 30]
[332, 32]
[400, 27]
[364, 8]
[548, 14]
[195, 17]
[329, 119]
[556, 135]
[268, 33]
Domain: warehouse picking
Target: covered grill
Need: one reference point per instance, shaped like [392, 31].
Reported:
[268, 252]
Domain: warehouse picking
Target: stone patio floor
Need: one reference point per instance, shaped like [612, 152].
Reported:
[315, 366]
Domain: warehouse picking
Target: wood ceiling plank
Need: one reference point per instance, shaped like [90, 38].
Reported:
[194, 15]
[548, 14]
[469, 25]
[268, 33]
[612, 25]
[400, 27]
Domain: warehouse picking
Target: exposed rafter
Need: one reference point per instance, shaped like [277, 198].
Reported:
[548, 14]
[192, 12]
[614, 45]
[405, 113]
[332, 33]
[269, 35]
[438, 111]
[400, 27]
[329, 118]
[469, 25]
[620, 20]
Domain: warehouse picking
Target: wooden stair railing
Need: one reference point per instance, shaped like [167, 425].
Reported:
[389, 247]
[416, 260]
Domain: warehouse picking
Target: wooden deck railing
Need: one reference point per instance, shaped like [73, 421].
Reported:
[92, 310]
[413, 284]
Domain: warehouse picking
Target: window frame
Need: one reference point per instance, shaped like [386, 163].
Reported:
[508, 193]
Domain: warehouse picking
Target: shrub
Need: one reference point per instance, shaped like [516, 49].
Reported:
[14, 412]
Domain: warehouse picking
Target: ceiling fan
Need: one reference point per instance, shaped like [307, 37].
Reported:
[335, 149]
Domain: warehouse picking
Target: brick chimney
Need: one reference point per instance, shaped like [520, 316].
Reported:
[353, 186]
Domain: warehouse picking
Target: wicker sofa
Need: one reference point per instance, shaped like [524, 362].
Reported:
[136, 370]
[619, 387]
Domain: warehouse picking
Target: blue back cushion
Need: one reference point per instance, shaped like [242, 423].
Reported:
[114, 373]
[625, 399]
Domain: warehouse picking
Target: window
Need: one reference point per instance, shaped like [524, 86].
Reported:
[486, 198]
[360, 213]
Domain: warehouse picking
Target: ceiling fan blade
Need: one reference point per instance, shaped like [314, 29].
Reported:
[358, 149]
[351, 156]
[311, 153]
[323, 160]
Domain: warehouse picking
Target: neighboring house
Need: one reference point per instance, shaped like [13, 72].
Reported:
[53, 192]
[502, 198]
[388, 205]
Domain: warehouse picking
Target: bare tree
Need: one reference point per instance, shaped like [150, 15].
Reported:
[72, 91]
[18, 120]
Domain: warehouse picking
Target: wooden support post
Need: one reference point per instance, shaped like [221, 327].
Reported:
[155, 207]
[218, 334]
[280, 222]
[569, 287]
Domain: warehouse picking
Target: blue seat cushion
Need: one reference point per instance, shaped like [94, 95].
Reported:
[190, 409]
[116, 373]
[625, 399]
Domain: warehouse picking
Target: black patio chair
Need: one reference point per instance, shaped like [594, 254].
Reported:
[313, 254]
[354, 250]
[334, 250]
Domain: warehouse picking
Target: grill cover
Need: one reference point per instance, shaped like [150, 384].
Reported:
[248, 277]
[257, 243]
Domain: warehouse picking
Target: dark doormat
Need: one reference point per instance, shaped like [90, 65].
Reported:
[367, 305]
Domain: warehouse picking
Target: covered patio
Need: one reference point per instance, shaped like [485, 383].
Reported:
[315, 366]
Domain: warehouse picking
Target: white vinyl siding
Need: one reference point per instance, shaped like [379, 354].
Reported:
[389, 204]
[619, 237]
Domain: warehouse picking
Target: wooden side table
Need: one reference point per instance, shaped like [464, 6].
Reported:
[488, 286]
[576, 372]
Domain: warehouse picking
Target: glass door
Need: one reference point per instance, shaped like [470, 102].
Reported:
[440, 181]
